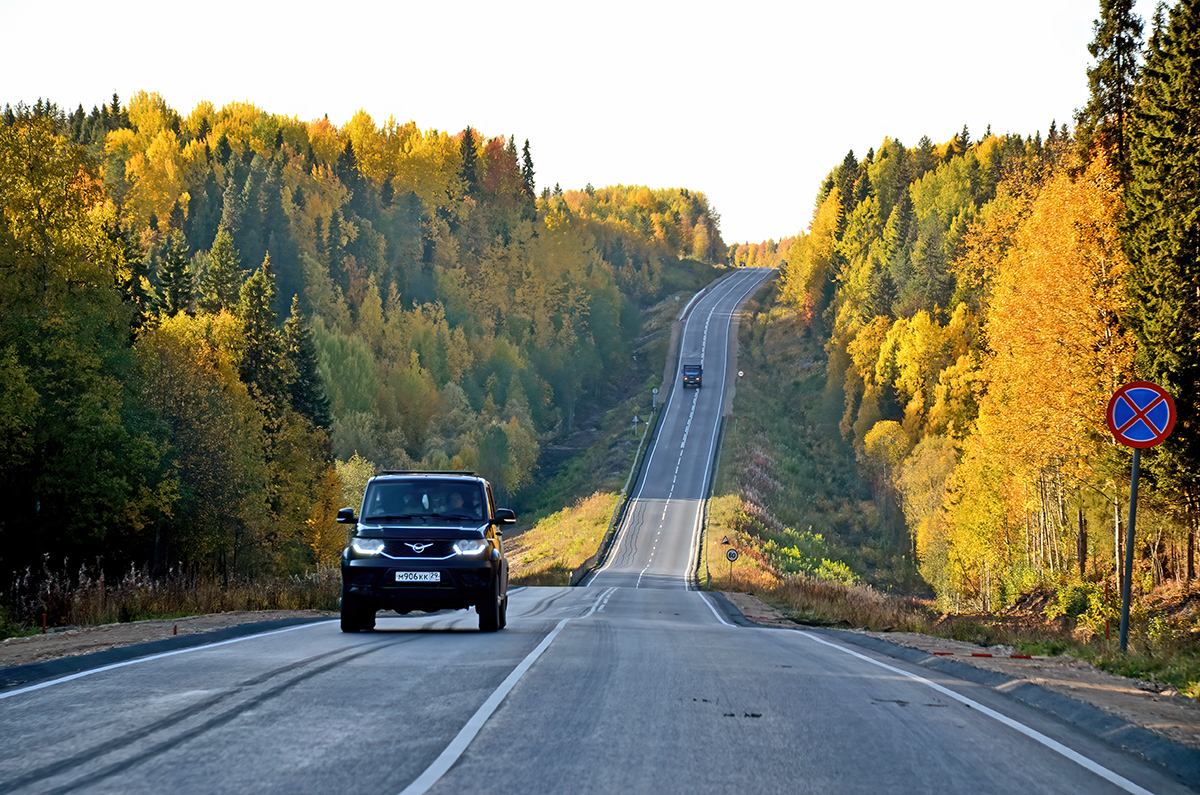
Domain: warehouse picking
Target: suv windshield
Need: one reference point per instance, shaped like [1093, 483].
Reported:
[424, 499]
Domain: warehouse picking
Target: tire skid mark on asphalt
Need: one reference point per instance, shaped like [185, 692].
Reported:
[92, 671]
[543, 604]
[451, 754]
[68, 765]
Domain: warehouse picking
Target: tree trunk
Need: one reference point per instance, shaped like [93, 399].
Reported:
[1083, 543]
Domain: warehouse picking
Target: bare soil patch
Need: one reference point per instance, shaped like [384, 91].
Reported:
[1146, 704]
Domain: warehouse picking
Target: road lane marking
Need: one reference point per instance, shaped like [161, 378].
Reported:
[714, 610]
[161, 655]
[1033, 734]
[432, 774]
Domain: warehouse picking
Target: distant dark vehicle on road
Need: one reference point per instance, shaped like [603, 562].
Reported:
[691, 374]
[425, 541]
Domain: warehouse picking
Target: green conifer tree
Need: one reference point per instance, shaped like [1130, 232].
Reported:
[222, 283]
[175, 277]
[1116, 46]
[470, 166]
[1162, 237]
[264, 367]
[307, 391]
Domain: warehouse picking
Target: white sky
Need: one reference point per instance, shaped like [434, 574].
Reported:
[750, 102]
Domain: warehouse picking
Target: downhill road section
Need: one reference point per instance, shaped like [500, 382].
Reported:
[655, 546]
[634, 684]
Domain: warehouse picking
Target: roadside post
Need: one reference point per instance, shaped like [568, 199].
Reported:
[653, 399]
[731, 555]
[1140, 415]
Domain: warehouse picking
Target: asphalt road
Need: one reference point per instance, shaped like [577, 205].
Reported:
[656, 545]
[633, 684]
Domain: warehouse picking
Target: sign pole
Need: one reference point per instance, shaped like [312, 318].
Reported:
[1140, 415]
[1125, 589]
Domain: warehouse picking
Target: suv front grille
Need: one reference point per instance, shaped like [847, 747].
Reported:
[419, 549]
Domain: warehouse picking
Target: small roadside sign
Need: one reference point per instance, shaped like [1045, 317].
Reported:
[731, 555]
[1141, 415]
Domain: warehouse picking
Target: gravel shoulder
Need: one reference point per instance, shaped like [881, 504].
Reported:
[1149, 705]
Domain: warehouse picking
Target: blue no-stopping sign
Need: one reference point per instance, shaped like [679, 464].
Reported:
[1141, 415]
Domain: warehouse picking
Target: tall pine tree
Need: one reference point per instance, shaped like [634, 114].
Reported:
[307, 391]
[264, 367]
[175, 277]
[222, 283]
[1162, 238]
[470, 161]
[1104, 121]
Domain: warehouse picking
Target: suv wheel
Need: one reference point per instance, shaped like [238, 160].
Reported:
[357, 615]
[491, 610]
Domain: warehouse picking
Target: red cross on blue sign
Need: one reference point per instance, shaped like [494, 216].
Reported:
[1141, 414]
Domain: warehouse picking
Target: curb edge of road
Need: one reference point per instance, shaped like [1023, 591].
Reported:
[13, 676]
[1179, 760]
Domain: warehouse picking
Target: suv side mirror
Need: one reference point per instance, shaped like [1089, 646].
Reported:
[504, 516]
[346, 516]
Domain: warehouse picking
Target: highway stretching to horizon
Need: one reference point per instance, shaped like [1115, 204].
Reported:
[636, 682]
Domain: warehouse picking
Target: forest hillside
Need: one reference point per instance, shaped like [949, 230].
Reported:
[215, 325]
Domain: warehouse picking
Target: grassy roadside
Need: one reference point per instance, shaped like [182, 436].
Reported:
[815, 543]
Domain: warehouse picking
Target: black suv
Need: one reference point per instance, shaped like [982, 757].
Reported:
[425, 541]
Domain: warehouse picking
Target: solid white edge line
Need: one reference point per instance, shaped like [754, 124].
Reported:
[714, 610]
[159, 656]
[1033, 734]
[458, 745]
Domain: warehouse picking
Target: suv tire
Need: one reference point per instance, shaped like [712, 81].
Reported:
[356, 615]
[492, 611]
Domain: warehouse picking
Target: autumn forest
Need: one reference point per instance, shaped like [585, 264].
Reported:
[215, 325]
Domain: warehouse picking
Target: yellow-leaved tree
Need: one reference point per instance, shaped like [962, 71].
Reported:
[1056, 353]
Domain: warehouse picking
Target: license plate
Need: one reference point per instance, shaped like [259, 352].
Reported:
[418, 576]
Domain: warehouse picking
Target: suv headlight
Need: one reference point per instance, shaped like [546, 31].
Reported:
[367, 547]
[471, 546]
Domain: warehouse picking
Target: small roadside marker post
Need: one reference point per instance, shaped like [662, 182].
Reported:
[1140, 415]
[731, 555]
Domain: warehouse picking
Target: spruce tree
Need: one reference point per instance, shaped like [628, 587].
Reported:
[222, 284]
[264, 367]
[527, 171]
[1162, 238]
[1104, 122]
[307, 391]
[469, 172]
[175, 277]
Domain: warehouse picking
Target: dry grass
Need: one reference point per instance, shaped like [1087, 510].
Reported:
[547, 553]
[85, 598]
